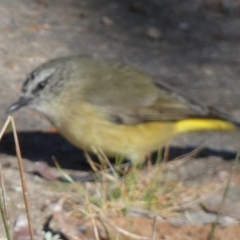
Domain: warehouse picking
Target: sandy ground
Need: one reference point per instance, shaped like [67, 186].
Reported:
[198, 52]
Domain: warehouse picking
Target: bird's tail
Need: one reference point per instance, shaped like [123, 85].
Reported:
[203, 124]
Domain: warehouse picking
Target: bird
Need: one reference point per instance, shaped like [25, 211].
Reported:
[113, 107]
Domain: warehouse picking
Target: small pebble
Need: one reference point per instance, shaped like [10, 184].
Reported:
[137, 7]
[184, 26]
[223, 5]
[106, 20]
[82, 15]
[154, 33]
[18, 189]
[223, 175]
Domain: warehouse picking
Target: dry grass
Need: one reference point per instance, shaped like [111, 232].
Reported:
[149, 189]
[4, 211]
[112, 196]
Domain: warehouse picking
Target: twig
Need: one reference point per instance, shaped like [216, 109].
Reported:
[108, 162]
[90, 161]
[211, 235]
[3, 210]
[21, 170]
[67, 228]
[3, 192]
[167, 150]
[92, 218]
[193, 153]
[154, 228]
[64, 174]
[22, 176]
[123, 231]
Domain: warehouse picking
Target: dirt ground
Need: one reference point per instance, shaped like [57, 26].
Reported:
[192, 45]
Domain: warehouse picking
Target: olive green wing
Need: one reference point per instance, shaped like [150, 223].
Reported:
[127, 96]
[171, 105]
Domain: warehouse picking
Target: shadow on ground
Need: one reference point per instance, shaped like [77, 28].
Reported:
[36, 146]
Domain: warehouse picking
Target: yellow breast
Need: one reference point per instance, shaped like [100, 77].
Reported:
[87, 128]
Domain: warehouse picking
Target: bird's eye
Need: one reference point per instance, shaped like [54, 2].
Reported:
[41, 85]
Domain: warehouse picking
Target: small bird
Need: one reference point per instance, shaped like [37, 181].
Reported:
[100, 104]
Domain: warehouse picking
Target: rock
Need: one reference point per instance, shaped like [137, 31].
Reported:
[154, 33]
[137, 7]
[184, 26]
[230, 206]
[223, 5]
[106, 20]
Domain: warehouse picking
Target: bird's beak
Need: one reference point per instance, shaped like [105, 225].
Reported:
[20, 103]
